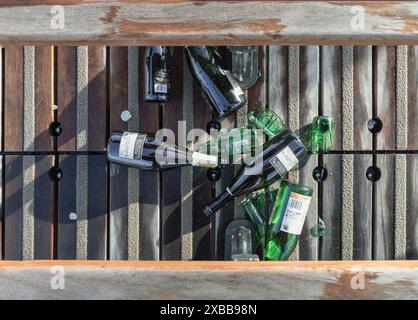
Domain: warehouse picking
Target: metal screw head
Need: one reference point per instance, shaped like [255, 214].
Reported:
[213, 125]
[126, 115]
[373, 173]
[56, 174]
[320, 174]
[374, 125]
[72, 216]
[213, 174]
[55, 129]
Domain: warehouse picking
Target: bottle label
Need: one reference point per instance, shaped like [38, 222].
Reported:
[284, 161]
[131, 145]
[160, 88]
[295, 213]
[237, 89]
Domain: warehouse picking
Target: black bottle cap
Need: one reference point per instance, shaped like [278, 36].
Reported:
[56, 174]
[374, 125]
[213, 125]
[55, 129]
[320, 174]
[373, 173]
[213, 174]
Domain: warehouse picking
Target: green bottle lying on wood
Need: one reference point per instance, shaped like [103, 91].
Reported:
[287, 220]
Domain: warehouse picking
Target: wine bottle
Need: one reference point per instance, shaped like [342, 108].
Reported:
[157, 83]
[287, 219]
[144, 151]
[279, 155]
[219, 88]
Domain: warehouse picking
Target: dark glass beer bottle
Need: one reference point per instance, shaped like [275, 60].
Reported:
[220, 89]
[157, 82]
[145, 151]
[279, 155]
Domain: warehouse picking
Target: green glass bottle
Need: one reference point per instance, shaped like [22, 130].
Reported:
[268, 121]
[271, 195]
[256, 218]
[317, 136]
[260, 202]
[235, 141]
[287, 219]
[318, 230]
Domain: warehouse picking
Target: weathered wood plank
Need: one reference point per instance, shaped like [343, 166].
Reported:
[235, 280]
[29, 210]
[13, 99]
[13, 211]
[150, 187]
[308, 109]
[44, 90]
[412, 97]
[277, 80]
[118, 188]
[362, 209]
[82, 98]
[28, 99]
[67, 97]
[202, 187]
[362, 97]
[331, 89]
[385, 88]
[226, 214]
[44, 211]
[97, 98]
[412, 208]
[67, 209]
[383, 220]
[331, 244]
[210, 22]
[171, 214]
[97, 207]
[82, 207]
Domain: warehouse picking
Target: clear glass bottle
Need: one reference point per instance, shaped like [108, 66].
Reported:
[245, 65]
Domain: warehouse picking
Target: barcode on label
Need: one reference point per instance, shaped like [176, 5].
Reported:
[160, 88]
[295, 204]
[295, 213]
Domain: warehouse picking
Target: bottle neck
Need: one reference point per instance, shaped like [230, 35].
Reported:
[204, 160]
[218, 203]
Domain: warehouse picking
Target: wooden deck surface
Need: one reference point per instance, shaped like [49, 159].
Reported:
[130, 214]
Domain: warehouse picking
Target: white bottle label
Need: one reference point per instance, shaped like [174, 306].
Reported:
[284, 161]
[127, 145]
[160, 88]
[295, 213]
